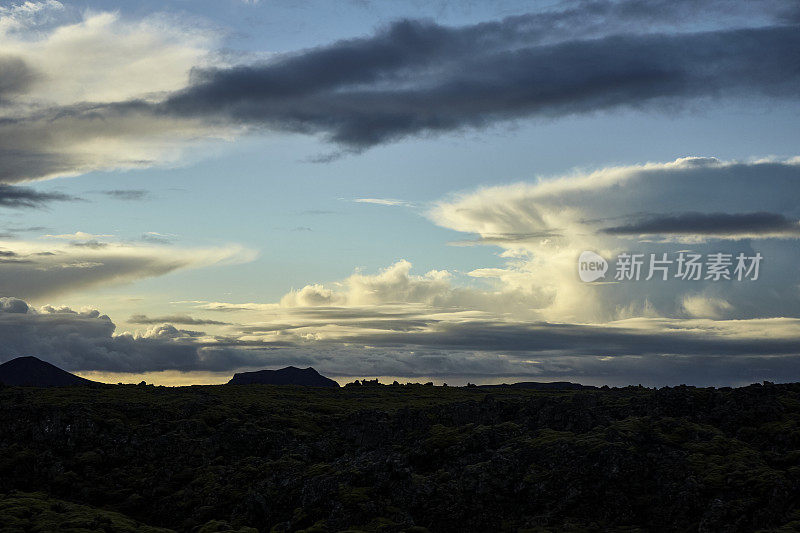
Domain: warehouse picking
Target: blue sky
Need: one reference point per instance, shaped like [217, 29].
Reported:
[174, 213]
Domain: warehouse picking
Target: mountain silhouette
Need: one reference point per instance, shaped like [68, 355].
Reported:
[285, 376]
[33, 372]
[539, 385]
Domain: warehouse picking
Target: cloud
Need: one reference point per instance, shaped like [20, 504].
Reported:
[153, 237]
[714, 192]
[84, 340]
[89, 244]
[61, 73]
[702, 306]
[719, 225]
[78, 236]
[652, 351]
[395, 285]
[103, 57]
[642, 338]
[127, 194]
[544, 225]
[45, 269]
[26, 229]
[528, 317]
[83, 98]
[76, 139]
[13, 305]
[175, 319]
[417, 78]
[395, 323]
[15, 77]
[381, 201]
[30, 14]
[87, 340]
[16, 197]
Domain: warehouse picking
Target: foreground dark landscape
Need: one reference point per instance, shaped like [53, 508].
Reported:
[399, 458]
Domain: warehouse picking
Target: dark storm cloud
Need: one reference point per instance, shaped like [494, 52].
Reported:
[11, 196]
[711, 224]
[418, 77]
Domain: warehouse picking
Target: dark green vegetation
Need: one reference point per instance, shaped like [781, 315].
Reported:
[21, 513]
[400, 458]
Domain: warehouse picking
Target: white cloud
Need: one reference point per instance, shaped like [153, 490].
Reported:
[59, 116]
[26, 15]
[78, 236]
[396, 285]
[393, 285]
[104, 58]
[543, 226]
[382, 201]
[700, 306]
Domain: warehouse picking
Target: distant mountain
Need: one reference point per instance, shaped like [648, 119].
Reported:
[539, 385]
[33, 372]
[285, 376]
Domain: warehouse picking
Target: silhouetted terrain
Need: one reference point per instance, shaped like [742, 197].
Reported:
[399, 458]
[538, 385]
[285, 376]
[33, 372]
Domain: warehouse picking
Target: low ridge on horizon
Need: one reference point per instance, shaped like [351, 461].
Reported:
[289, 375]
[30, 371]
[541, 385]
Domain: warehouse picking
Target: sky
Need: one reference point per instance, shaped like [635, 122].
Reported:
[402, 189]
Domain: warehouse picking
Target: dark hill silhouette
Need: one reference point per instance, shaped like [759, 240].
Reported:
[33, 372]
[539, 385]
[285, 376]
